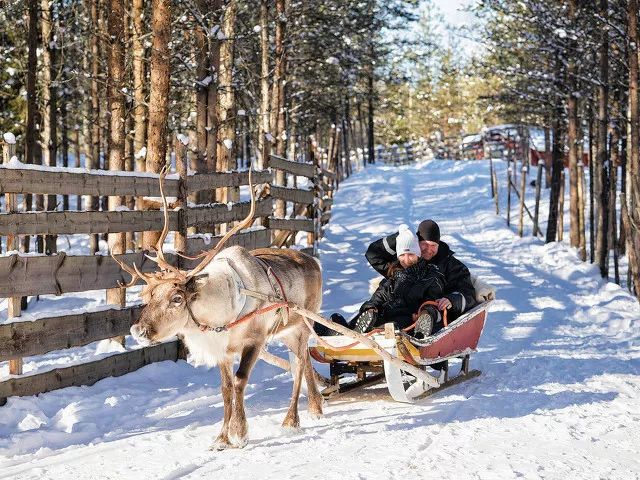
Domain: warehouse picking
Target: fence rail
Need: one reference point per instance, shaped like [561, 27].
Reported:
[20, 179]
[90, 372]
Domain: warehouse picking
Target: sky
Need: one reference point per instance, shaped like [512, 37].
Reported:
[456, 17]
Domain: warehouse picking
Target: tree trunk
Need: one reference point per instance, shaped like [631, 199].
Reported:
[213, 120]
[30, 133]
[64, 141]
[278, 101]
[547, 154]
[203, 78]
[592, 161]
[573, 137]
[227, 102]
[159, 95]
[601, 168]
[49, 112]
[264, 145]
[139, 108]
[614, 149]
[557, 165]
[93, 155]
[116, 102]
[630, 198]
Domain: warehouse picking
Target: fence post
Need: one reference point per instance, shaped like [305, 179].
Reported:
[523, 185]
[11, 202]
[538, 188]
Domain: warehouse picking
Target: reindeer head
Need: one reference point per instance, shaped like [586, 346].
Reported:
[170, 292]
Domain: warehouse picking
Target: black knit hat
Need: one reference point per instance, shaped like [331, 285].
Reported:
[428, 230]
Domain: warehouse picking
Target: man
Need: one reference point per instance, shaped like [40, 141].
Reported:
[459, 292]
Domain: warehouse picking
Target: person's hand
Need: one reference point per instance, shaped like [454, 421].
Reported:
[367, 306]
[443, 303]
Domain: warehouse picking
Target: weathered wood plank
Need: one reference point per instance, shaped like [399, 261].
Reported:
[86, 222]
[59, 223]
[82, 183]
[88, 373]
[297, 224]
[23, 180]
[249, 240]
[23, 339]
[328, 173]
[326, 202]
[292, 194]
[204, 216]
[208, 181]
[57, 274]
[296, 168]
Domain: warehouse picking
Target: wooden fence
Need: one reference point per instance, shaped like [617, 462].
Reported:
[65, 272]
[402, 154]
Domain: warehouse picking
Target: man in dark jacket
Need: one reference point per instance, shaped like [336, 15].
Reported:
[459, 292]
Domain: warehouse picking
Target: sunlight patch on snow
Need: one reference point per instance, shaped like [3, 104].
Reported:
[545, 302]
[517, 333]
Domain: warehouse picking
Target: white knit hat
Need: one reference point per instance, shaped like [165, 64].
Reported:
[406, 242]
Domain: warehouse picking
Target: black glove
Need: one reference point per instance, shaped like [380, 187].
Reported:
[367, 306]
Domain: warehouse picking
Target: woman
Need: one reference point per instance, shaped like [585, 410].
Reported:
[410, 282]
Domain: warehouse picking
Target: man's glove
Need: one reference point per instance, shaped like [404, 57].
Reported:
[367, 306]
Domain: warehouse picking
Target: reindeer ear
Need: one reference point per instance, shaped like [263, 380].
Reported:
[196, 283]
[201, 280]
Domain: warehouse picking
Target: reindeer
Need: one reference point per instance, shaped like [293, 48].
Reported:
[207, 308]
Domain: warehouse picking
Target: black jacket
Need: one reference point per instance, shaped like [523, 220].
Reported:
[400, 296]
[458, 287]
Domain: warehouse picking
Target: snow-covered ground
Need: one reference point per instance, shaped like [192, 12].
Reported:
[559, 396]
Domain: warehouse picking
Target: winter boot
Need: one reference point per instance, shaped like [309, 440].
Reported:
[365, 321]
[324, 331]
[428, 316]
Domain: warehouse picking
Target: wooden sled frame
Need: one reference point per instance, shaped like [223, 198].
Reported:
[456, 341]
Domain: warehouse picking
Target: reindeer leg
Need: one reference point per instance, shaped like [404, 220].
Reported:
[292, 420]
[226, 374]
[238, 423]
[314, 399]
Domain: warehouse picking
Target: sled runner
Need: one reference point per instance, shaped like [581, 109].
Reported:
[456, 341]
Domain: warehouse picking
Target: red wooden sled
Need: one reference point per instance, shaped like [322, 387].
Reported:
[456, 341]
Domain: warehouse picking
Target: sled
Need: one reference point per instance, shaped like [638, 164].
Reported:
[347, 358]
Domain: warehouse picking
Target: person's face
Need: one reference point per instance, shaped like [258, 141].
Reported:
[428, 249]
[408, 259]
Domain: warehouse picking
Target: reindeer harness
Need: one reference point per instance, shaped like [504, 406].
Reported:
[278, 290]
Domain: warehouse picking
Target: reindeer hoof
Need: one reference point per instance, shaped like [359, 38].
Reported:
[220, 445]
[316, 415]
[238, 442]
[291, 424]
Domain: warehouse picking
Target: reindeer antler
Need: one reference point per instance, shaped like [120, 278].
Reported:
[170, 273]
[159, 259]
[210, 254]
[134, 272]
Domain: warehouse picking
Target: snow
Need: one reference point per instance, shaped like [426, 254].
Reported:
[182, 138]
[559, 394]
[9, 138]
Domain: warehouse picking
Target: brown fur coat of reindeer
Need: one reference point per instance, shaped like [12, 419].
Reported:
[198, 304]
